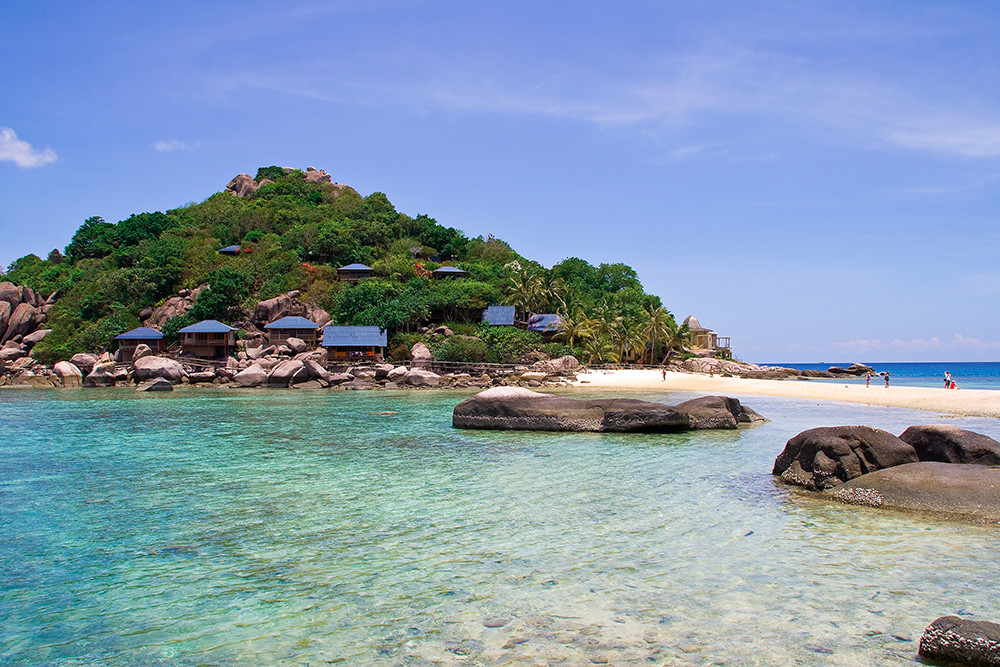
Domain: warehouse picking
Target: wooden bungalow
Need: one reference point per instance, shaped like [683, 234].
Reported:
[128, 341]
[292, 327]
[449, 273]
[547, 324]
[499, 316]
[706, 339]
[352, 273]
[208, 339]
[354, 343]
[231, 250]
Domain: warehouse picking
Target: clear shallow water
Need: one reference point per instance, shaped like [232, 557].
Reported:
[300, 528]
[966, 374]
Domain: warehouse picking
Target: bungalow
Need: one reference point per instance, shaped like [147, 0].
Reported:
[547, 324]
[128, 341]
[354, 343]
[706, 339]
[230, 250]
[352, 273]
[292, 327]
[208, 339]
[499, 316]
[449, 273]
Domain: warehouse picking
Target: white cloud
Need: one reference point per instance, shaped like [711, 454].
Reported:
[171, 145]
[959, 342]
[21, 153]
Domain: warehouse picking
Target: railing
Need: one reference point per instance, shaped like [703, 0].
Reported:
[722, 343]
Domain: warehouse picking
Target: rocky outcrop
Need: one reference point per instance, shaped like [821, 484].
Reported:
[854, 370]
[242, 185]
[960, 641]
[70, 375]
[22, 312]
[172, 307]
[151, 367]
[562, 365]
[287, 373]
[712, 412]
[950, 444]
[822, 458]
[85, 362]
[420, 356]
[516, 408]
[418, 377]
[156, 384]
[102, 375]
[314, 175]
[21, 322]
[253, 376]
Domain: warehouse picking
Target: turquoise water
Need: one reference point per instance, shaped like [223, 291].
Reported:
[293, 527]
[966, 374]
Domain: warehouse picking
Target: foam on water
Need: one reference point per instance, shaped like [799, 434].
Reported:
[298, 527]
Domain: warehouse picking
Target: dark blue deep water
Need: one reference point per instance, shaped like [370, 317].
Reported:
[967, 374]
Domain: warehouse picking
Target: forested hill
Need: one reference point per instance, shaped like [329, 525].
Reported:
[295, 228]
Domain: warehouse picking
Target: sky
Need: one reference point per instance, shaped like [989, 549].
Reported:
[819, 181]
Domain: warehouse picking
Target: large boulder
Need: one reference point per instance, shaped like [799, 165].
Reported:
[562, 365]
[10, 293]
[5, 311]
[287, 373]
[84, 361]
[272, 309]
[242, 185]
[141, 350]
[711, 412]
[156, 384]
[315, 370]
[420, 378]
[68, 373]
[296, 345]
[102, 375]
[962, 491]
[382, 371]
[396, 374]
[951, 444]
[12, 353]
[517, 408]
[151, 367]
[960, 641]
[35, 337]
[21, 321]
[420, 356]
[254, 376]
[822, 458]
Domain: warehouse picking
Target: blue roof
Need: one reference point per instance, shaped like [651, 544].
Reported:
[355, 267]
[230, 248]
[354, 336]
[142, 333]
[449, 269]
[208, 326]
[499, 316]
[292, 322]
[544, 322]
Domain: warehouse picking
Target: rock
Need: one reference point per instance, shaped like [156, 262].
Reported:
[560, 366]
[102, 375]
[5, 310]
[201, 376]
[420, 356]
[271, 309]
[316, 176]
[822, 458]
[296, 345]
[318, 315]
[359, 384]
[711, 412]
[963, 491]
[151, 367]
[421, 378]
[397, 374]
[523, 409]
[21, 321]
[11, 354]
[10, 293]
[156, 384]
[950, 444]
[174, 306]
[36, 337]
[960, 641]
[382, 371]
[85, 362]
[242, 185]
[254, 353]
[287, 373]
[141, 350]
[254, 376]
[70, 375]
[339, 378]
[534, 376]
[310, 384]
[283, 351]
[315, 370]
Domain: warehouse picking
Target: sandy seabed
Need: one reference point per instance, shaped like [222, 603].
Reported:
[972, 402]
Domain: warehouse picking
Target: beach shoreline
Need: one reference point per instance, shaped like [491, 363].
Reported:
[966, 402]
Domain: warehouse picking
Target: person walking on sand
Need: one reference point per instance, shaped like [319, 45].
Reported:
[887, 379]
[664, 374]
[868, 379]
[947, 380]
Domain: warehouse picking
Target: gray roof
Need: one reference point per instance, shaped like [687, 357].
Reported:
[208, 326]
[292, 322]
[354, 337]
[547, 322]
[499, 316]
[355, 267]
[142, 333]
[230, 248]
[450, 269]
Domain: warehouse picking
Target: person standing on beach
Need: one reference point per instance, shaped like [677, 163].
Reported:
[664, 374]
[947, 379]
[868, 379]
[887, 379]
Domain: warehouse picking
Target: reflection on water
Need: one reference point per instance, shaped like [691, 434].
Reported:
[297, 527]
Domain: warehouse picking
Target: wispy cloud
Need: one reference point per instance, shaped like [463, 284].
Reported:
[959, 342]
[172, 145]
[21, 153]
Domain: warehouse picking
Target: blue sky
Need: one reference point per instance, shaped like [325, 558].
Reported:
[818, 180]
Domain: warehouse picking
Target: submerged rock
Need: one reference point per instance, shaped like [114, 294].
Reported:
[516, 408]
[951, 444]
[959, 641]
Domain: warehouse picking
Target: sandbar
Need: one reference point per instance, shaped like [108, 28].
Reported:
[968, 402]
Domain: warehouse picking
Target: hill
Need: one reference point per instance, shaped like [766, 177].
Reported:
[294, 228]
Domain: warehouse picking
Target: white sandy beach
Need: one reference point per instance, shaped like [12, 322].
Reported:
[976, 402]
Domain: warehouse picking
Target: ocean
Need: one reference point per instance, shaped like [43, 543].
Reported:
[306, 527]
[966, 374]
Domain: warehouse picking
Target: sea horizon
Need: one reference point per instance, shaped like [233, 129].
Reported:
[967, 374]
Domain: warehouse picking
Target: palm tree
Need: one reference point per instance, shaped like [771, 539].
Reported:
[573, 327]
[658, 325]
[523, 290]
[677, 338]
[598, 349]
